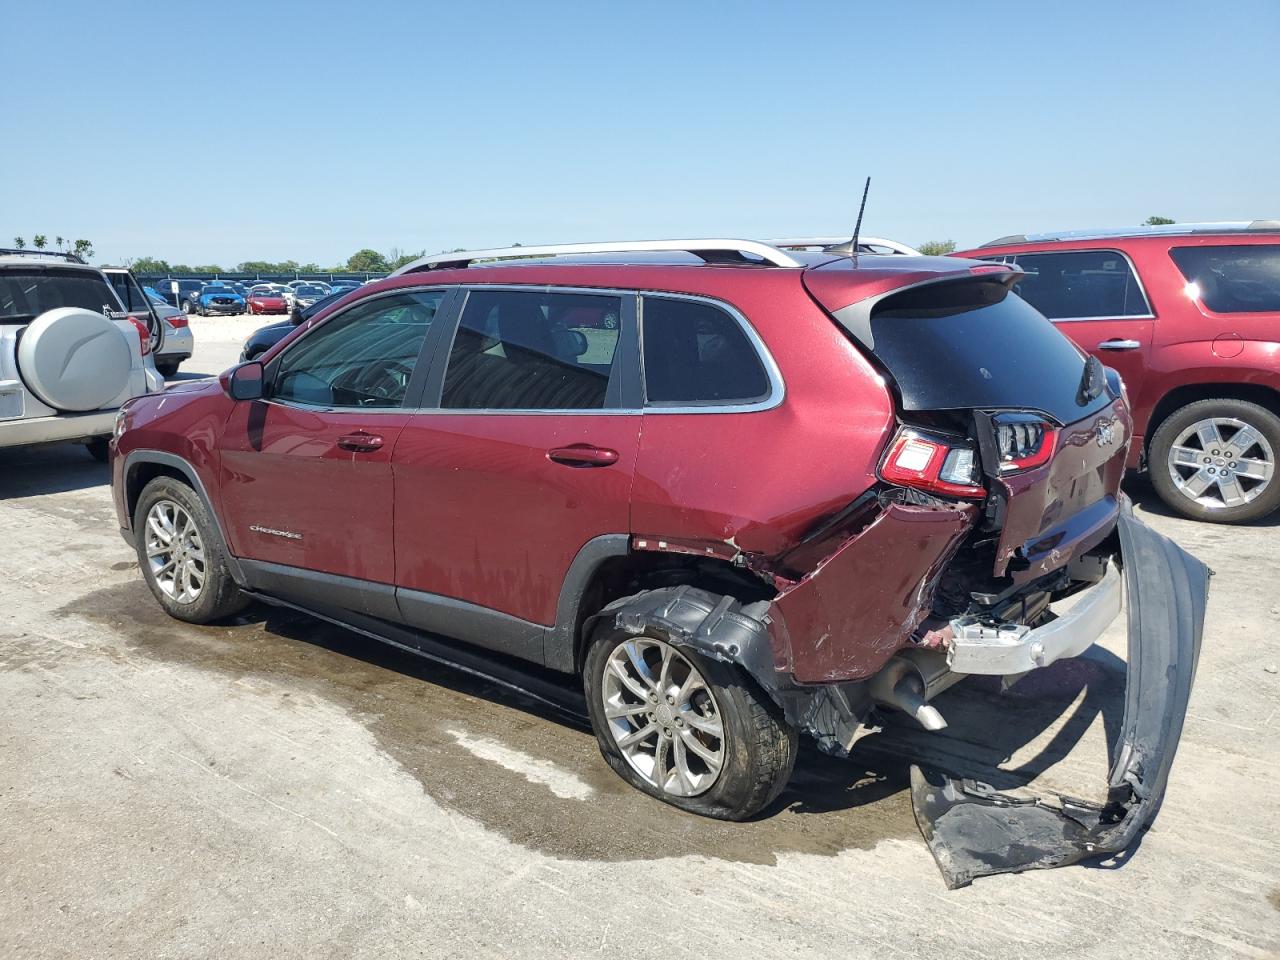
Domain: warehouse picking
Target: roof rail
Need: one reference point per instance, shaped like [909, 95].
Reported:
[827, 243]
[1145, 230]
[59, 254]
[712, 251]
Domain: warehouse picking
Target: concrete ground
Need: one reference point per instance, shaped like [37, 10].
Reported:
[278, 788]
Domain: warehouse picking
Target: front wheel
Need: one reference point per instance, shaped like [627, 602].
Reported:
[180, 554]
[686, 729]
[1215, 460]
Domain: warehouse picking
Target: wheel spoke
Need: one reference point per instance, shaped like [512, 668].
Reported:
[621, 672]
[1187, 457]
[690, 740]
[163, 532]
[660, 770]
[1196, 484]
[636, 736]
[683, 774]
[1209, 435]
[618, 711]
[1245, 438]
[708, 725]
[1254, 469]
[664, 670]
[636, 657]
[1232, 493]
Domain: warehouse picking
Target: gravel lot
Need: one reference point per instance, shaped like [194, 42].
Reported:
[278, 787]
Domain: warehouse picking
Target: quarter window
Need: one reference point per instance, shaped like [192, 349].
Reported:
[1244, 278]
[1079, 285]
[696, 353]
[534, 350]
[362, 358]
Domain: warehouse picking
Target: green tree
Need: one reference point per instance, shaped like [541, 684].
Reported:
[150, 265]
[1157, 221]
[19, 243]
[937, 248]
[83, 249]
[400, 259]
[59, 241]
[40, 240]
[366, 261]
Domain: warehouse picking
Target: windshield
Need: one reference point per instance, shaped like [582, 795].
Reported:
[309, 292]
[215, 289]
[27, 293]
[974, 345]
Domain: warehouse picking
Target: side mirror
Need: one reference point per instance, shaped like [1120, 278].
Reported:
[244, 382]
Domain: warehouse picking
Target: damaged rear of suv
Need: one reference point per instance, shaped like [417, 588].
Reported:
[744, 493]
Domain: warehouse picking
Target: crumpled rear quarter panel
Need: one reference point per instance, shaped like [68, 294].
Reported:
[860, 606]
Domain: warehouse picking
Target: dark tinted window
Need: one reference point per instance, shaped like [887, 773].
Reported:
[968, 345]
[25, 294]
[697, 353]
[363, 358]
[128, 291]
[517, 350]
[1080, 284]
[1232, 279]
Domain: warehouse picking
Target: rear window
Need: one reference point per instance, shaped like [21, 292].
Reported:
[27, 293]
[1079, 285]
[1232, 279]
[128, 291]
[970, 345]
[696, 353]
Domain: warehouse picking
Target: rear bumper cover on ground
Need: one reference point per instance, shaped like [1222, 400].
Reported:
[974, 831]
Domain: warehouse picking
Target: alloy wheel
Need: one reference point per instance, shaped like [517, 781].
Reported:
[1221, 462]
[175, 552]
[663, 716]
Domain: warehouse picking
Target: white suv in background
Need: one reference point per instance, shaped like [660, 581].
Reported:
[70, 354]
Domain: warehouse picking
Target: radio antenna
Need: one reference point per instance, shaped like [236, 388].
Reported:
[857, 227]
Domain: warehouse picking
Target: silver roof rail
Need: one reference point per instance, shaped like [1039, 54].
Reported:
[707, 249]
[1145, 230]
[825, 243]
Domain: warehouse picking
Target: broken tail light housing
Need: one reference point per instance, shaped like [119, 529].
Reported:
[1023, 442]
[929, 462]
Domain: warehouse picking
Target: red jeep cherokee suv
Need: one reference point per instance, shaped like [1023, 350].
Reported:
[1189, 314]
[742, 492]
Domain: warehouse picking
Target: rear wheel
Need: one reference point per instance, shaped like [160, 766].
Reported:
[98, 448]
[167, 368]
[1215, 460]
[686, 729]
[180, 555]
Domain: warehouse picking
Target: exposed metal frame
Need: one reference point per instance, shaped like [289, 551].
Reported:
[825, 243]
[743, 248]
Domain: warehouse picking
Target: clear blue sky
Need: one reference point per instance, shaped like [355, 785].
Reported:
[227, 131]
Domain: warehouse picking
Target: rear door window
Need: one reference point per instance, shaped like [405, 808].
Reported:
[1080, 284]
[696, 353]
[1244, 278]
[534, 350]
[27, 293]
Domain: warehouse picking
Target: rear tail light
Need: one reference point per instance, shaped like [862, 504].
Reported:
[932, 463]
[1024, 443]
[143, 334]
[180, 320]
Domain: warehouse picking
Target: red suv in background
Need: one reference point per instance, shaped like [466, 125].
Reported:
[1189, 314]
[741, 493]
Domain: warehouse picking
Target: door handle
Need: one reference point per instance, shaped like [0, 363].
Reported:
[583, 455]
[1119, 345]
[360, 442]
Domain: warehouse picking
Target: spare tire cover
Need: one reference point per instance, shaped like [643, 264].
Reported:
[74, 359]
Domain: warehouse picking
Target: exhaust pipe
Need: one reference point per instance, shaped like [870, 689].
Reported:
[909, 681]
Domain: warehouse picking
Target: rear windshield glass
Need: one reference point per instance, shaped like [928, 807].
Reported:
[25, 294]
[1232, 279]
[973, 345]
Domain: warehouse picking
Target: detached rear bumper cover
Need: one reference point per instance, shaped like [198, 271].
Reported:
[973, 831]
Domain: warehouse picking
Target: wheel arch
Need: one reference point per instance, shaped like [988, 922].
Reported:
[143, 466]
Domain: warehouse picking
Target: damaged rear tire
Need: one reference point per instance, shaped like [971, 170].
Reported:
[688, 730]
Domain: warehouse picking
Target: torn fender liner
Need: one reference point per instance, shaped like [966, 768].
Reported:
[974, 831]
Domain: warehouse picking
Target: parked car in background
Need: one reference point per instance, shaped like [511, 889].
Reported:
[264, 338]
[615, 461]
[306, 295]
[179, 342]
[1189, 314]
[214, 299]
[176, 292]
[70, 354]
[264, 299]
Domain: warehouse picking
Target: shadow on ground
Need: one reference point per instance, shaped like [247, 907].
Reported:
[424, 715]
